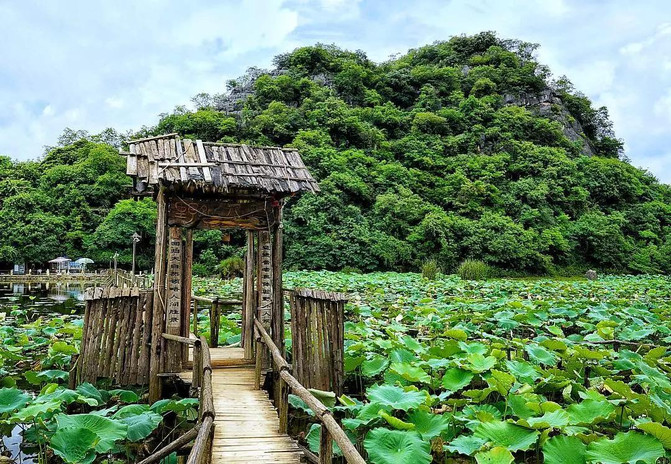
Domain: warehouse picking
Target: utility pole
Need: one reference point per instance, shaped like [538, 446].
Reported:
[136, 238]
[116, 274]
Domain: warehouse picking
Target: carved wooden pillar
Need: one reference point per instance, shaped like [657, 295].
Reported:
[173, 296]
[264, 290]
[186, 290]
[158, 311]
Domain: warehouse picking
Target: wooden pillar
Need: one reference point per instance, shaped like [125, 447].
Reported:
[186, 290]
[277, 317]
[248, 298]
[265, 280]
[158, 310]
[173, 295]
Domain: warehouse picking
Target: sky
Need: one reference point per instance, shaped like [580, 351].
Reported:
[90, 65]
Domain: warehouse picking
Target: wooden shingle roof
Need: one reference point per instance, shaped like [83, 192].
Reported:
[182, 163]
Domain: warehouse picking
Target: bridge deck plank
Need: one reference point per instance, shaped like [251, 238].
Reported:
[246, 423]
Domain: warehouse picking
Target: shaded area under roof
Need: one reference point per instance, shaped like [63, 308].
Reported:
[216, 167]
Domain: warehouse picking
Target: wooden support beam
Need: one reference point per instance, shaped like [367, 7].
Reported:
[248, 298]
[158, 310]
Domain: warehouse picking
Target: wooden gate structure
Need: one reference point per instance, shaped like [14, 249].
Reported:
[202, 185]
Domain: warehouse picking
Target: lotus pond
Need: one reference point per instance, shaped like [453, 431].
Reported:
[502, 371]
[41, 419]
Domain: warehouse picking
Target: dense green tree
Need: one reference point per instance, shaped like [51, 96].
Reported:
[460, 149]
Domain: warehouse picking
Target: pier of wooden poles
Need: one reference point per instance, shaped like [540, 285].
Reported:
[142, 337]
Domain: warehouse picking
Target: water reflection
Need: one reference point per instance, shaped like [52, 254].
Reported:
[61, 298]
[41, 299]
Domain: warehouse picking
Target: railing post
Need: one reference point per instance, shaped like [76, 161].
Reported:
[259, 362]
[195, 317]
[283, 405]
[325, 446]
[214, 323]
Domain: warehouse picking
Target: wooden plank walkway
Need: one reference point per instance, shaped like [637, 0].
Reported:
[246, 423]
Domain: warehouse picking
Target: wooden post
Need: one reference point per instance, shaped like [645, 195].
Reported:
[195, 317]
[174, 316]
[214, 323]
[325, 446]
[277, 316]
[186, 290]
[158, 310]
[248, 298]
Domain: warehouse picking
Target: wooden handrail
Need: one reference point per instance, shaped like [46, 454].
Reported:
[202, 432]
[322, 413]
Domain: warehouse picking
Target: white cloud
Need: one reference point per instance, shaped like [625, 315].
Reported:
[119, 64]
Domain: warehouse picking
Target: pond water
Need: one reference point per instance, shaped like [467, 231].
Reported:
[22, 303]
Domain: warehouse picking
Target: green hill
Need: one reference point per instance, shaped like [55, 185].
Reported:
[460, 149]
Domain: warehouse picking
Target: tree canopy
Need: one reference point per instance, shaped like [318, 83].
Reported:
[465, 148]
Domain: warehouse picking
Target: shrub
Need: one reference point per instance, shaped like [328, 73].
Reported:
[430, 269]
[200, 270]
[231, 267]
[351, 270]
[473, 269]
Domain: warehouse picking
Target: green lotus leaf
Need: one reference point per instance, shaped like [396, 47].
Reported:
[352, 362]
[373, 366]
[126, 396]
[456, 334]
[429, 425]
[523, 370]
[478, 363]
[326, 397]
[395, 421]
[130, 410]
[386, 446]
[589, 411]
[502, 381]
[36, 410]
[75, 445]
[314, 437]
[455, 379]
[564, 450]
[657, 430]
[395, 397]
[466, 444]
[541, 355]
[12, 399]
[473, 348]
[401, 355]
[513, 437]
[298, 403]
[165, 405]
[555, 419]
[62, 348]
[410, 373]
[107, 430]
[496, 455]
[630, 447]
[88, 390]
[141, 425]
[372, 411]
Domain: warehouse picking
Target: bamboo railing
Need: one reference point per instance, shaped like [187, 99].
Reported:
[331, 430]
[202, 433]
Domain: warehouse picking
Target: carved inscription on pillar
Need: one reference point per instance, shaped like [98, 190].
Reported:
[174, 293]
[266, 279]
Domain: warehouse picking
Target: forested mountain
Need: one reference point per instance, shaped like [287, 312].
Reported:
[460, 149]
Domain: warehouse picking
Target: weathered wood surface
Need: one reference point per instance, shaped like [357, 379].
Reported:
[246, 425]
[217, 166]
[317, 333]
[115, 336]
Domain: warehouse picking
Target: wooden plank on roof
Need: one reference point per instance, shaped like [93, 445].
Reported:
[190, 157]
[131, 162]
[179, 151]
[207, 176]
[153, 161]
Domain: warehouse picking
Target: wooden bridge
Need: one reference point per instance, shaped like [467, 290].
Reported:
[145, 337]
